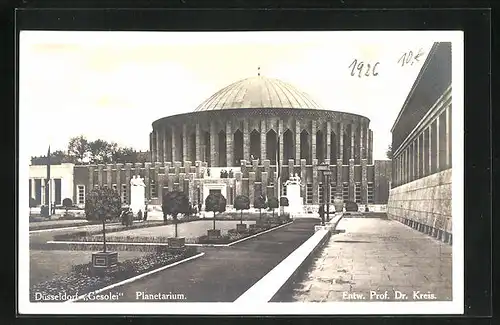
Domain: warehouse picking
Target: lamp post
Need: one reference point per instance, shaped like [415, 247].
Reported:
[326, 194]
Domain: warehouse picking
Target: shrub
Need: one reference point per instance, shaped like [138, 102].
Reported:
[273, 203]
[351, 206]
[260, 203]
[284, 201]
[44, 211]
[216, 203]
[241, 202]
[32, 202]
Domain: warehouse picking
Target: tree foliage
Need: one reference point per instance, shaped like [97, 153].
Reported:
[284, 201]
[102, 203]
[241, 202]
[273, 203]
[216, 203]
[67, 203]
[260, 203]
[388, 152]
[175, 203]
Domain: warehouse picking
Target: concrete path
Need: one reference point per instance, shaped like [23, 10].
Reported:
[375, 256]
[223, 274]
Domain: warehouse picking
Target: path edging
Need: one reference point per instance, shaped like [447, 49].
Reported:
[135, 278]
[266, 288]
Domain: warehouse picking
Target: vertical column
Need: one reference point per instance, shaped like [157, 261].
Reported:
[229, 144]
[362, 149]
[340, 154]
[119, 168]
[251, 187]
[340, 181]
[198, 139]
[147, 169]
[185, 141]
[303, 177]
[353, 145]
[99, 174]
[213, 148]
[448, 136]
[175, 157]
[328, 142]
[263, 133]
[246, 141]
[151, 145]
[315, 183]
[313, 141]
[419, 157]
[91, 179]
[438, 165]
[370, 146]
[280, 139]
[297, 141]
[109, 170]
[364, 181]
[157, 144]
[128, 167]
[165, 145]
[352, 194]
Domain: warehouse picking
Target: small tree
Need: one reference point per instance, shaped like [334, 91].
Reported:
[273, 203]
[388, 152]
[216, 203]
[32, 203]
[175, 203]
[241, 202]
[260, 203]
[67, 203]
[101, 204]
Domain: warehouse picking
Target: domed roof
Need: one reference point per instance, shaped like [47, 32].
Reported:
[258, 92]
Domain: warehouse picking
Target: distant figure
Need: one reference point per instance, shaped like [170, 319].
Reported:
[252, 158]
[322, 214]
[146, 213]
[208, 172]
[53, 208]
[231, 175]
[199, 207]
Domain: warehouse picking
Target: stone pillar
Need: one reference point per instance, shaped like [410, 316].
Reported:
[339, 177]
[165, 145]
[238, 177]
[229, 145]
[353, 144]
[370, 146]
[246, 141]
[280, 141]
[198, 139]
[182, 177]
[291, 167]
[91, 179]
[137, 168]
[264, 181]
[362, 149]
[315, 182]
[99, 174]
[364, 181]
[171, 181]
[109, 175]
[119, 168]
[147, 171]
[185, 141]
[152, 148]
[297, 141]
[175, 157]
[303, 177]
[418, 157]
[448, 137]
[263, 134]
[267, 165]
[438, 166]
[251, 187]
[351, 180]
[128, 176]
[177, 167]
[160, 179]
[340, 153]
[157, 144]
[328, 141]
[213, 147]
[313, 142]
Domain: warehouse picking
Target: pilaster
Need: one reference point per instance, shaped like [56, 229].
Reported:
[165, 144]
[128, 176]
[351, 180]
[185, 143]
[91, 179]
[340, 153]
[263, 134]
[198, 144]
[158, 145]
[364, 181]
[109, 175]
[297, 141]
[339, 177]
[362, 154]
[100, 167]
[251, 187]
[147, 171]
[229, 145]
[303, 177]
[280, 140]
[175, 148]
[119, 168]
[213, 147]
[315, 182]
[313, 141]
[246, 141]
[328, 153]
[353, 144]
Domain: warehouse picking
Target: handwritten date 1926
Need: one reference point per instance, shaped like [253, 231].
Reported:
[363, 70]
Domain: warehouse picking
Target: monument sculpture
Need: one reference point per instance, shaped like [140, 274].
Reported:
[137, 195]
[293, 185]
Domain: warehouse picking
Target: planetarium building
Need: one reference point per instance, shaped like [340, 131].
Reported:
[252, 129]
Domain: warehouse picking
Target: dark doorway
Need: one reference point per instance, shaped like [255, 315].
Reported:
[288, 146]
[271, 146]
[238, 147]
[255, 144]
[222, 149]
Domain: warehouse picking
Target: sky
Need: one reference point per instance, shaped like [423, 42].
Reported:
[113, 85]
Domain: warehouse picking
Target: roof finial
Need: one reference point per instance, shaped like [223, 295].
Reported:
[258, 71]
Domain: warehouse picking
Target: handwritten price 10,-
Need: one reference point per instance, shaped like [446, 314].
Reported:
[410, 58]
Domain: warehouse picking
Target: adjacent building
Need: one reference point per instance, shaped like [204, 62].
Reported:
[422, 153]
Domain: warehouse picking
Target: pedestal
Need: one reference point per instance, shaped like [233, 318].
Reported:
[104, 261]
[241, 227]
[294, 199]
[176, 242]
[213, 234]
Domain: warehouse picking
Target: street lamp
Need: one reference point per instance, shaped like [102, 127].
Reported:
[326, 194]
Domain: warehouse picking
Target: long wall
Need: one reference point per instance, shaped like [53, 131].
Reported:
[425, 204]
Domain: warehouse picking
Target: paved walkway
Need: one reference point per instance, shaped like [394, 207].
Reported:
[374, 256]
[222, 274]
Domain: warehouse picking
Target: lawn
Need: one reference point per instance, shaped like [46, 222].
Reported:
[45, 265]
[189, 230]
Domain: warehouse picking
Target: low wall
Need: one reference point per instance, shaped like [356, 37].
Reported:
[424, 204]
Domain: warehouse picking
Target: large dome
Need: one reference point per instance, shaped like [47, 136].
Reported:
[258, 92]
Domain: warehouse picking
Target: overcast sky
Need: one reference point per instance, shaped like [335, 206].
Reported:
[113, 85]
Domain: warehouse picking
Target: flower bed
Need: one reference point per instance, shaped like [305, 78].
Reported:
[233, 235]
[81, 280]
[89, 235]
